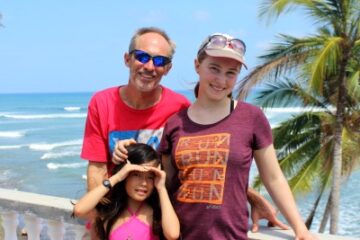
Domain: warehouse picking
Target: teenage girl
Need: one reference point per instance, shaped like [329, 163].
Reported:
[209, 147]
[126, 203]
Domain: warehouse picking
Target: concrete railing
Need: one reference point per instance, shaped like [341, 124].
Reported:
[43, 217]
[266, 233]
[48, 217]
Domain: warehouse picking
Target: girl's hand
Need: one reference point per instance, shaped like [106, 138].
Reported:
[120, 152]
[125, 170]
[160, 177]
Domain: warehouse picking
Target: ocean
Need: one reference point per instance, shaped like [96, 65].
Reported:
[40, 142]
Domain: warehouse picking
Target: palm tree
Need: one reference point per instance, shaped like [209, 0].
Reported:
[328, 59]
[304, 141]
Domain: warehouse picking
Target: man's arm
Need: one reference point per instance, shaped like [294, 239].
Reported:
[262, 209]
[96, 173]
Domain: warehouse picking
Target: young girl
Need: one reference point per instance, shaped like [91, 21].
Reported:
[126, 203]
[208, 149]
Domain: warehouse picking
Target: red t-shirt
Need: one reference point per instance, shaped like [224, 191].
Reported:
[213, 163]
[109, 119]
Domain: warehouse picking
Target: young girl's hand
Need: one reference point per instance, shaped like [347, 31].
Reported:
[160, 177]
[126, 169]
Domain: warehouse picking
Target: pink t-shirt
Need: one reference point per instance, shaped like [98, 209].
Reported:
[213, 163]
[109, 119]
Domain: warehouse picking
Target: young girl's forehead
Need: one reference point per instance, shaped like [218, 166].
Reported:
[153, 163]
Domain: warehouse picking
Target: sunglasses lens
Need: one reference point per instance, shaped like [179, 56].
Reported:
[160, 61]
[142, 57]
[217, 42]
[238, 45]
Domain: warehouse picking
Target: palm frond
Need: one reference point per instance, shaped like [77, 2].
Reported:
[294, 162]
[283, 58]
[325, 63]
[282, 93]
[353, 85]
[289, 92]
[351, 152]
[357, 42]
[354, 26]
[296, 132]
[256, 75]
[273, 8]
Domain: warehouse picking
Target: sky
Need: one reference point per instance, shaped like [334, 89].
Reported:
[78, 46]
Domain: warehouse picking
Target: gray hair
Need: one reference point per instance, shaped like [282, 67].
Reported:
[144, 30]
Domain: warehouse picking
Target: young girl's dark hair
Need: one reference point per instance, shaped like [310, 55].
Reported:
[116, 201]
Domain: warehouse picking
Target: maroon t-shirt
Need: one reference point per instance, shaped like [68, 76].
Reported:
[213, 163]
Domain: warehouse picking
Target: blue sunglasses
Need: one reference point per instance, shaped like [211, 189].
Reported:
[144, 57]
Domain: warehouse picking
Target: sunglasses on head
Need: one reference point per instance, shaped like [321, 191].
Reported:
[220, 41]
[144, 57]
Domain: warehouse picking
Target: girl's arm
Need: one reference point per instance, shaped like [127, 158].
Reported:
[169, 220]
[89, 201]
[276, 184]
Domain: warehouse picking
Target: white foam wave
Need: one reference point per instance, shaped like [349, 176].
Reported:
[65, 165]
[12, 134]
[84, 176]
[5, 175]
[9, 147]
[51, 146]
[44, 116]
[294, 110]
[71, 109]
[53, 155]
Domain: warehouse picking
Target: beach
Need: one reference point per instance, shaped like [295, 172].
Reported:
[41, 139]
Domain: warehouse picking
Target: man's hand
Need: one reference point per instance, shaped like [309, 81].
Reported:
[120, 152]
[262, 209]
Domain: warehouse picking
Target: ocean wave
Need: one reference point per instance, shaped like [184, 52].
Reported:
[9, 147]
[6, 175]
[295, 109]
[53, 155]
[12, 134]
[65, 165]
[72, 109]
[51, 146]
[44, 116]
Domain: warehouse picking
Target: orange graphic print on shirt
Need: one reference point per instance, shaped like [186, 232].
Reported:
[201, 161]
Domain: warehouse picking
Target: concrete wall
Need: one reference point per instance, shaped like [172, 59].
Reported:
[59, 210]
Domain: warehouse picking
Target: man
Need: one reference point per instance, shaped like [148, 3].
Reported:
[139, 110]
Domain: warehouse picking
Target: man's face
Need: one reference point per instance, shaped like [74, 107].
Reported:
[146, 77]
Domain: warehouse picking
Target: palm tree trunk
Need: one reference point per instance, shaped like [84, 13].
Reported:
[325, 218]
[337, 154]
[335, 196]
[310, 218]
